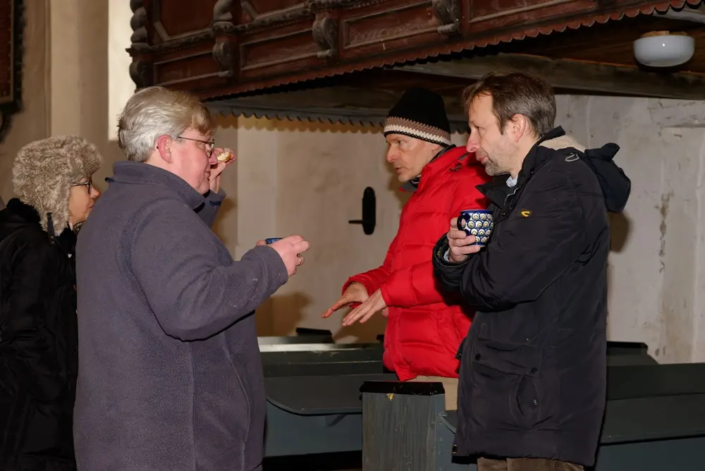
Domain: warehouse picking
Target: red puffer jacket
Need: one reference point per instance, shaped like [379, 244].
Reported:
[424, 332]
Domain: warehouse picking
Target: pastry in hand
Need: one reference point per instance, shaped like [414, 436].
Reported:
[224, 157]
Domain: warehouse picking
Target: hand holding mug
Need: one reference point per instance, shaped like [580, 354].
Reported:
[290, 250]
[469, 233]
[460, 243]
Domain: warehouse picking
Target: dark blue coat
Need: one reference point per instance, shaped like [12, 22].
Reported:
[170, 375]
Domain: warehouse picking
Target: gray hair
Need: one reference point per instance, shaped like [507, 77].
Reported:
[157, 111]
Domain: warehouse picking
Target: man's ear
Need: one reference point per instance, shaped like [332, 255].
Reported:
[164, 144]
[435, 149]
[519, 126]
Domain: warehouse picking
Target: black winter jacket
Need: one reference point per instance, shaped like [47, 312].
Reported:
[38, 343]
[533, 367]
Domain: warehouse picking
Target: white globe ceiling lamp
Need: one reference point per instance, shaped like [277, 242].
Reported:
[664, 49]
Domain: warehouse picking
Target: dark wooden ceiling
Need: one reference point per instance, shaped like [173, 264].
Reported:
[352, 58]
[612, 42]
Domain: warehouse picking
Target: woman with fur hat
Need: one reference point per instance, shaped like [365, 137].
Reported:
[38, 338]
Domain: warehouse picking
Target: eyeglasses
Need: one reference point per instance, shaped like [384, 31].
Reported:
[88, 183]
[208, 145]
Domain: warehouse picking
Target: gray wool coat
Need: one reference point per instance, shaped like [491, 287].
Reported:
[170, 376]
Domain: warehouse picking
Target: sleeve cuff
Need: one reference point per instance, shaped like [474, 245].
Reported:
[385, 295]
[213, 196]
[363, 282]
[442, 255]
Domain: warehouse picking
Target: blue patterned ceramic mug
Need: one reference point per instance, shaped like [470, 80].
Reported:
[477, 222]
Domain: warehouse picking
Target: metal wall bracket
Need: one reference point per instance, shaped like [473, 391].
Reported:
[369, 211]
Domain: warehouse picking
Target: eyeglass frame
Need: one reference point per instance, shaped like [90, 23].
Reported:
[88, 184]
[208, 151]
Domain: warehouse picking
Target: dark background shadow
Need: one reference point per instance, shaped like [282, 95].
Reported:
[620, 227]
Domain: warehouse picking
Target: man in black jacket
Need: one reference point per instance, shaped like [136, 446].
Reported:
[533, 367]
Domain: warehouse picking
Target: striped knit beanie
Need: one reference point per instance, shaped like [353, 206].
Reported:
[419, 113]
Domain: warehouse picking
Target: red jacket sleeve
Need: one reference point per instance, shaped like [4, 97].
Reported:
[416, 285]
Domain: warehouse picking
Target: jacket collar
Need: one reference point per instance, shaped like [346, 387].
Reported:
[145, 174]
[23, 211]
[19, 214]
[497, 190]
[535, 159]
[439, 163]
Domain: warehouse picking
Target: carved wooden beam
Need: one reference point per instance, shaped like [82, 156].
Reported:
[448, 14]
[574, 75]
[141, 66]
[255, 45]
[325, 34]
[335, 104]
[268, 20]
[138, 23]
[222, 13]
[225, 47]
[695, 14]
[11, 52]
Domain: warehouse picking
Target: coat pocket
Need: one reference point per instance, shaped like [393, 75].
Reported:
[507, 384]
[245, 402]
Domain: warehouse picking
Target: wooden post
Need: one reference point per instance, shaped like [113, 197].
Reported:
[399, 424]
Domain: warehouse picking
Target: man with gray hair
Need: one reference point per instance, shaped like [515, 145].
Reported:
[170, 376]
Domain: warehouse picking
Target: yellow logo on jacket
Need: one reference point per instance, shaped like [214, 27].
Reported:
[525, 213]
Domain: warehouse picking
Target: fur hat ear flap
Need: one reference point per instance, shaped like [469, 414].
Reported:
[44, 171]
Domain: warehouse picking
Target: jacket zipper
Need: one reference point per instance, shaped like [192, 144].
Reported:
[506, 200]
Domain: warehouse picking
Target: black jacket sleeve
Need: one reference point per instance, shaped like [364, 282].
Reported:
[28, 359]
[542, 237]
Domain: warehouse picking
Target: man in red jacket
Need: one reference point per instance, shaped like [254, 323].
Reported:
[424, 330]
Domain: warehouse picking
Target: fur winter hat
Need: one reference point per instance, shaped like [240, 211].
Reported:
[44, 171]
